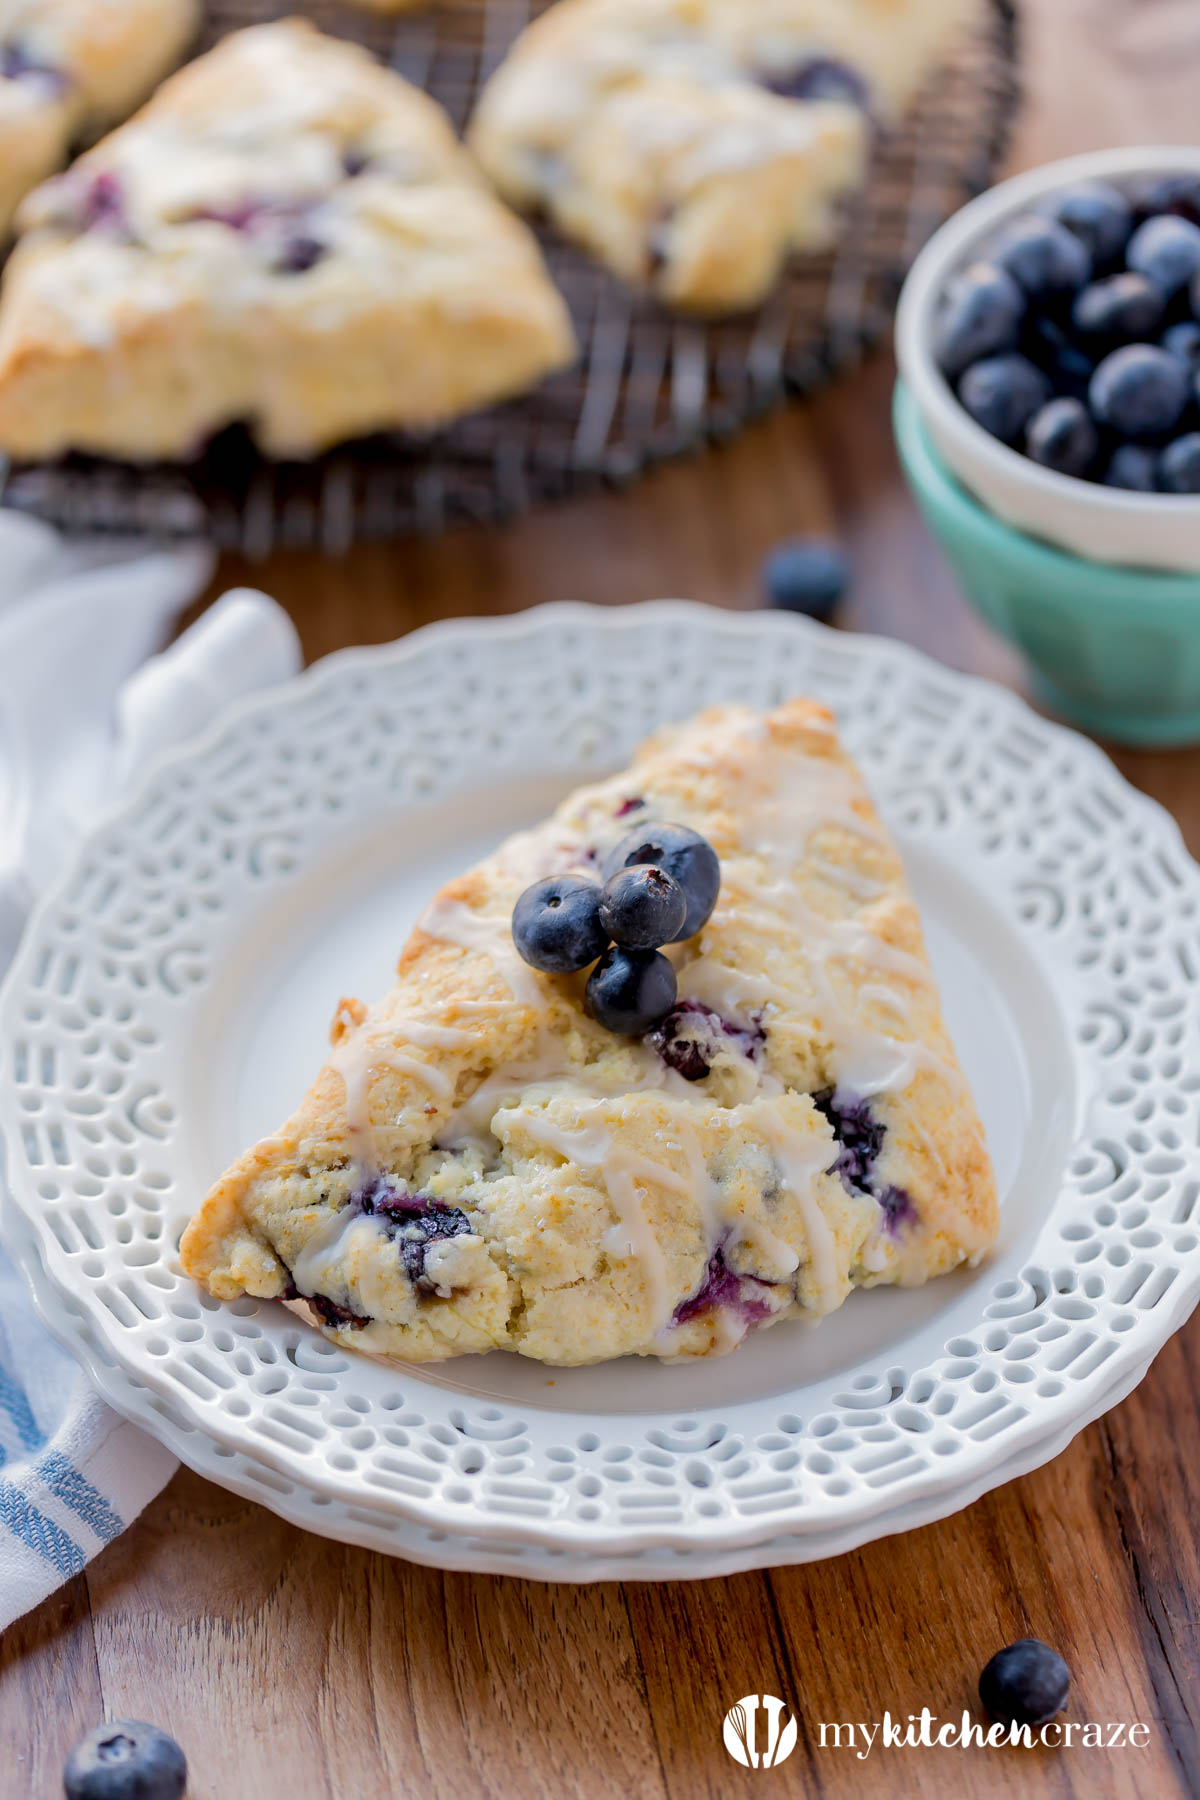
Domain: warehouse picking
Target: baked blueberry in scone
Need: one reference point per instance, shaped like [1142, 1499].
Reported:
[693, 145]
[71, 68]
[490, 1159]
[287, 234]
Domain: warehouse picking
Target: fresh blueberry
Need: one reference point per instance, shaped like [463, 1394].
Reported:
[820, 78]
[629, 991]
[1068, 365]
[807, 575]
[125, 1760]
[1002, 393]
[1139, 391]
[1062, 436]
[1166, 250]
[1025, 1684]
[643, 907]
[686, 856]
[1045, 259]
[1179, 194]
[1132, 466]
[1179, 465]
[980, 315]
[1119, 309]
[1098, 214]
[556, 924]
[1183, 341]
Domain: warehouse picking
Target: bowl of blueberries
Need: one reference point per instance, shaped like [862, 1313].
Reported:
[1048, 418]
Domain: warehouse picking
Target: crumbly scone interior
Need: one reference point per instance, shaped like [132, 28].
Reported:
[480, 1165]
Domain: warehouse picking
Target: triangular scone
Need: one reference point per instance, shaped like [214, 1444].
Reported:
[481, 1166]
[693, 145]
[287, 234]
[71, 68]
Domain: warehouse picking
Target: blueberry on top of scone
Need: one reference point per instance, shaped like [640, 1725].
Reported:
[661, 885]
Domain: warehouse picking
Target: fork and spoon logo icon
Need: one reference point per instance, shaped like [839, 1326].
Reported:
[759, 1731]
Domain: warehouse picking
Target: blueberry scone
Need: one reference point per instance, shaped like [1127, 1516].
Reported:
[693, 145]
[71, 68]
[287, 234]
[663, 1071]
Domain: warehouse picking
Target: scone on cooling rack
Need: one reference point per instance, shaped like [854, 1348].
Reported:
[694, 145]
[71, 68]
[287, 234]
[658, 1156]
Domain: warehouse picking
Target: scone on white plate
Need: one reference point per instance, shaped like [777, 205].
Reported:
[287, 234]
[694, 145]
[71, 68]
[656, 1157]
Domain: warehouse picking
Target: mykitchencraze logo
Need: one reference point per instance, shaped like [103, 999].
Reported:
[925, 1731]
[759, 1731]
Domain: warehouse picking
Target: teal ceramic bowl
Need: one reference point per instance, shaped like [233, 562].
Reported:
[1115, 650]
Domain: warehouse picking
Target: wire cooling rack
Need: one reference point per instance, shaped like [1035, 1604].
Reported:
[647, 385]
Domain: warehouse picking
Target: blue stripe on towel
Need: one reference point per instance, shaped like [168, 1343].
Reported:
[38, 1532]
[74, 1490]
[16, 1404]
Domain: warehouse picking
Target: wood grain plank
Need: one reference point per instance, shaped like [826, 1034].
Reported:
[50, 1691]
[290, 1665]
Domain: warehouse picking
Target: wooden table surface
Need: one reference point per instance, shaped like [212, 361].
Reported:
[290, 1666]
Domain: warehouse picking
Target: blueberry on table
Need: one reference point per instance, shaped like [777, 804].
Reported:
[642, 907]
[1166, 250]
[1061, 436]
[1183, 341]
[1002, 393]
[1025, 1684]
[125, 1760]
[1139, 391]
[1119, 310]
[1132, 466]
[807, 576]
[980, 314]
[630, 991]
[1179, 465]
[1045, 259]
[686, 856]
[556, 924]
[1097, 213]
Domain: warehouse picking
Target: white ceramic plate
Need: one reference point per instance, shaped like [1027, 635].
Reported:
[170, 999]
[395, 1535]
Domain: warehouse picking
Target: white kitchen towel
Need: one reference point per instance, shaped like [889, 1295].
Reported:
[81, 713]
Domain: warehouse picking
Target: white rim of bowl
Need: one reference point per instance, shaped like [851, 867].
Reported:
[949, 248]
